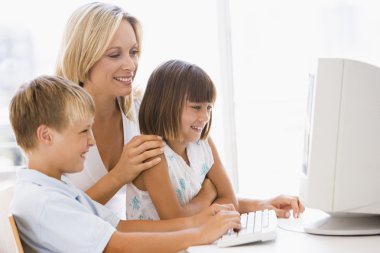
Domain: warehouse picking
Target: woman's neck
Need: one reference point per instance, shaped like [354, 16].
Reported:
[105, 109]
[105, 106]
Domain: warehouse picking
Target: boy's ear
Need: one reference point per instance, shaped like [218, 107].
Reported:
[44, 135]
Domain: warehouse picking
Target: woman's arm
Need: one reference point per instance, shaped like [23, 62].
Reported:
[133, 160]
[157, 183]
[218, 176]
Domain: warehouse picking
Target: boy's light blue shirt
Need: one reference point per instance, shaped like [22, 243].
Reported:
[54, 216]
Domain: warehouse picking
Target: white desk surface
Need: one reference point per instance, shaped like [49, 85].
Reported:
[291, 238]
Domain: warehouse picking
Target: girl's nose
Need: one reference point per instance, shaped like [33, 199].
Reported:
[205, 115]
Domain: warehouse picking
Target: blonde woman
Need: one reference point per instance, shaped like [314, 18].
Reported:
[100, 52]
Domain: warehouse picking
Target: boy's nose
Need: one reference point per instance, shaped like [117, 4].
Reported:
[91, 139]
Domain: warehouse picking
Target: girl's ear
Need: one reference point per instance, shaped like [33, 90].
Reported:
[44, 135]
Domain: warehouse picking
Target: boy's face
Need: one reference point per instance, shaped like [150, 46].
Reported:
[195, 116]
[70, 146]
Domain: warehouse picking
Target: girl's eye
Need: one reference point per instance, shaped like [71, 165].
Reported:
[196, 107]
[209, 108]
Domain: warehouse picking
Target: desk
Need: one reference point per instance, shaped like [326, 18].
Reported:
[298, 241]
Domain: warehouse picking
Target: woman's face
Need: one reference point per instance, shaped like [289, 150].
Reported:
[113, 74]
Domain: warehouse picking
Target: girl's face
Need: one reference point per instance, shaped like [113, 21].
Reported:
[195, 116]
[113, 74]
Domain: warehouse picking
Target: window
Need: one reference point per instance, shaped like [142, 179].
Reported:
[258, 53]
[29, 47]
[274, 45]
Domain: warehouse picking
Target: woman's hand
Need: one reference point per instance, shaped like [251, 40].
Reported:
[139, 154]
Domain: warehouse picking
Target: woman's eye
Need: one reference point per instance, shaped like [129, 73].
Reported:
[196, 107]
[134, 52]
[114, 55]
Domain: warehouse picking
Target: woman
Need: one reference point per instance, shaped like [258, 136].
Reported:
[100, 52]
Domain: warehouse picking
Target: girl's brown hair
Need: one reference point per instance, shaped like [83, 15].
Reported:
[169, 87]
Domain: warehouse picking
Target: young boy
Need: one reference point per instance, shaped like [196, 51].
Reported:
[52, 120]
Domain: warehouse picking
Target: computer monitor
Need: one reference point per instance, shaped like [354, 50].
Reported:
[341, 167]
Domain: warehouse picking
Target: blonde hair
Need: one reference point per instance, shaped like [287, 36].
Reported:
[169, 87]
[87, 35]
[47, 100]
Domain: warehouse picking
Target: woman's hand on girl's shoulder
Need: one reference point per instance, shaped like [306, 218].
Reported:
[139, 154]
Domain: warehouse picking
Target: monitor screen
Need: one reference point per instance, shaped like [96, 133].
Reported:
[341, 169]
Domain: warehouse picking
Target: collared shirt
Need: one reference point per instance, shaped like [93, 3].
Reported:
[54, 216]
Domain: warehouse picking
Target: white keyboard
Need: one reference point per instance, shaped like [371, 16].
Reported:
[256, 226]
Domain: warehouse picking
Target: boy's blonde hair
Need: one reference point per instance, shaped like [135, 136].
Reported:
[169, 87]
[86, 38]
[47, 100]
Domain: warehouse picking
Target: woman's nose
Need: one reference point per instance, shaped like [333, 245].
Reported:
[129, 64]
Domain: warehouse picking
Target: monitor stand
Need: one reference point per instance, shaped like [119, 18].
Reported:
[342, 224]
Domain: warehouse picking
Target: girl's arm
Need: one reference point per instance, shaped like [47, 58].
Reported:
[157, 183]
[220, 179]
[282, 204]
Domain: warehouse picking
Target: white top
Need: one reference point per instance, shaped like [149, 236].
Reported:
[186, 180]
[54, 216]
[94, 168]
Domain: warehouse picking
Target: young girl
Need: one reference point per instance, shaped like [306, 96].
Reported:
[177, 105]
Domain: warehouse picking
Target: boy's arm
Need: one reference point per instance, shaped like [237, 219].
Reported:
[164, 198]
[218, 176]
[215, 220]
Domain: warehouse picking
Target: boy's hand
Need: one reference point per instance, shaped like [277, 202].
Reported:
[218, 225]
[204, 216]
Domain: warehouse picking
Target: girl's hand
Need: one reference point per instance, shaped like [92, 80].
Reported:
[138, 155]
[283, 204]
[208, 190]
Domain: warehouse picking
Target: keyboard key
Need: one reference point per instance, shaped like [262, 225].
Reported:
[256, 226]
